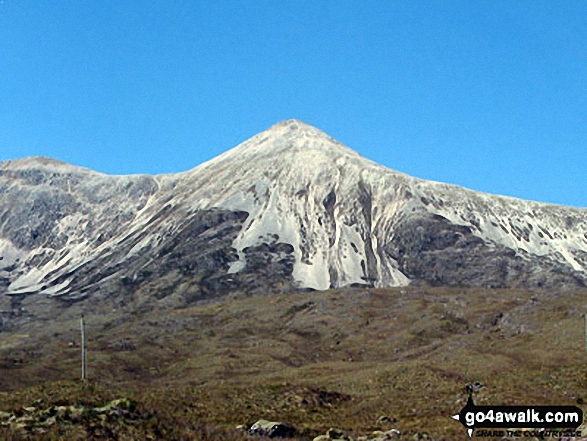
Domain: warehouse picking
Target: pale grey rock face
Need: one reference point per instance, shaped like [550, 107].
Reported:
[291, 208]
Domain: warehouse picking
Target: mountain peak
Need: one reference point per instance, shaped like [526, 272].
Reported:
[289, 208]
[43, 163]
[295, 128]
[293, 124]
[290, 136]
[35, 160]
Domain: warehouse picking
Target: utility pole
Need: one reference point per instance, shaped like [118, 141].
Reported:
[83, 329]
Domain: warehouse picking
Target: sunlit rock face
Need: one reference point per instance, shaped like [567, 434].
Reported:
[291, 208]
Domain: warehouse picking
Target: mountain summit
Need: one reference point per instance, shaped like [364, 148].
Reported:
[290, 208]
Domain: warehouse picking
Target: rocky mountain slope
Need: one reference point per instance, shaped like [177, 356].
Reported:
[290, 208]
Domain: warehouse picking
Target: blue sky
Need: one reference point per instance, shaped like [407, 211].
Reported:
[490, 95]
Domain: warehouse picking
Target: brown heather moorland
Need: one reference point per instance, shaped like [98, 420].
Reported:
[314, 360]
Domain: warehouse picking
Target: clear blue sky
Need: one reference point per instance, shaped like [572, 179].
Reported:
[490, 95]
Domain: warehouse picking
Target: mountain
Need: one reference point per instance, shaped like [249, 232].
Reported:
[289, 209]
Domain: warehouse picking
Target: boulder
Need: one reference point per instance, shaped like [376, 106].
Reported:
[422, 437]
[121, 404]
[272, 429]
[389, 435]
[384, 419]
[333, 434]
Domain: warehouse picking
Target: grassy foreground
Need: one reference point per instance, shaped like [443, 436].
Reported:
[315, 360]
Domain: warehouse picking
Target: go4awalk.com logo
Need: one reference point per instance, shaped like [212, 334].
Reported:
[565, 419]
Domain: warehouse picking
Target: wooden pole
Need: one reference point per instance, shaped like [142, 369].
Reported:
[83, 329]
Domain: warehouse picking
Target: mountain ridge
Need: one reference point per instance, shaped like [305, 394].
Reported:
[290, 208]
[45, 161]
